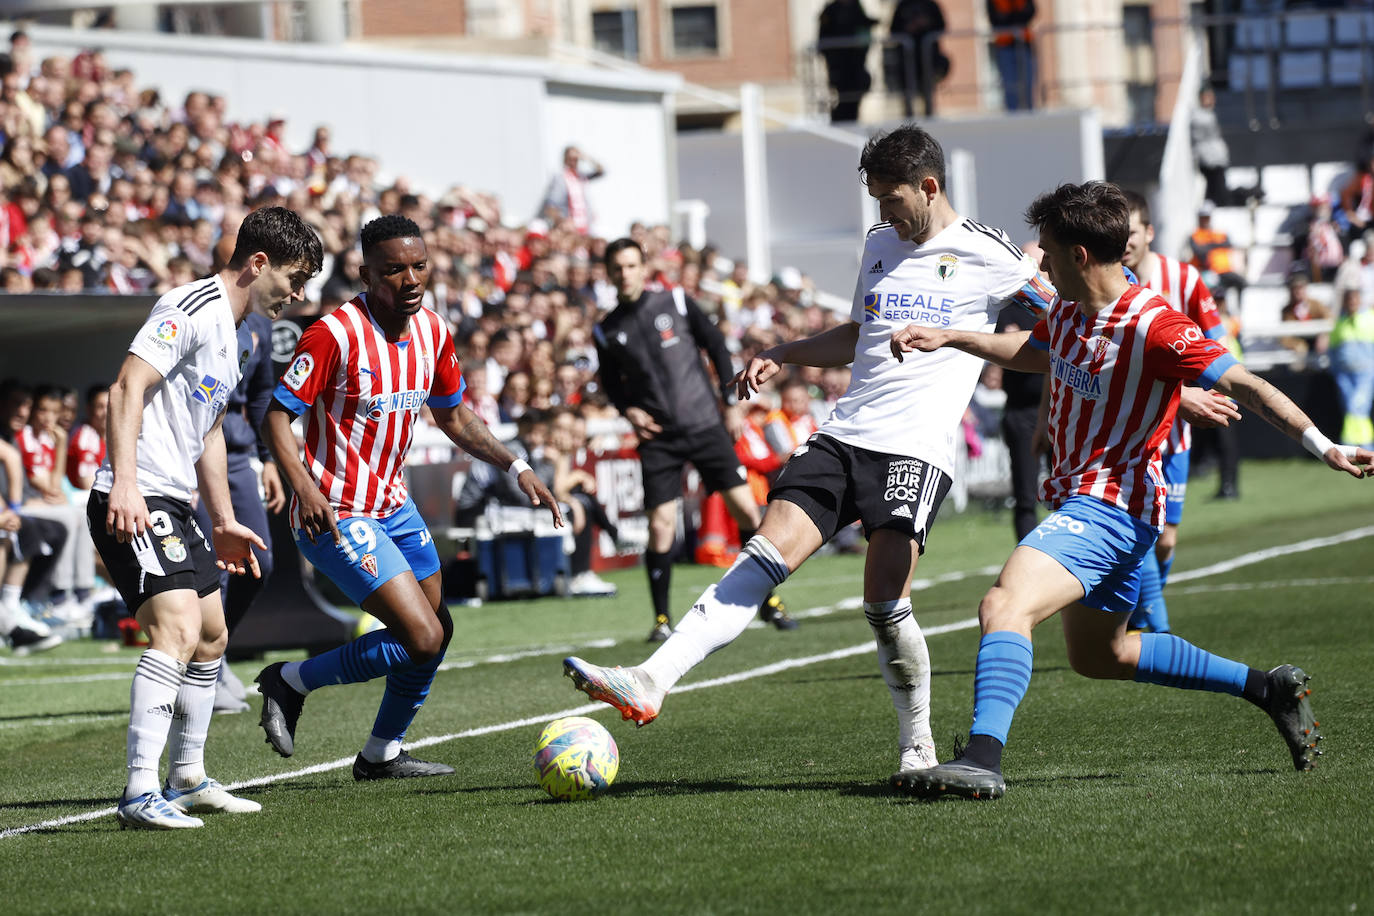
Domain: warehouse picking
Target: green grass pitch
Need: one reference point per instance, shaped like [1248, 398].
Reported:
[766, 792]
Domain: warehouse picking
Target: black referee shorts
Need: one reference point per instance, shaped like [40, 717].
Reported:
[709, 450]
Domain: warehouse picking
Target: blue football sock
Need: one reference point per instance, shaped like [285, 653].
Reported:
[1000, 681]
[405, 694]
[1152, 612]
[1164, 567]
[1173, 662]
[369, 656]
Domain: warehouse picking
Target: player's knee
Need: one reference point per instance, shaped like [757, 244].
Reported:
[426, 643]
[995, 611]
[212, 646]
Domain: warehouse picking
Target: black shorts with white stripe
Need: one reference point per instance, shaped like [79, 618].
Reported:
[171, 554]
[836, 484]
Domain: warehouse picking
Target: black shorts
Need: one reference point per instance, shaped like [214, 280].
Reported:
[836, 484]
[172, 553]
[711, 453]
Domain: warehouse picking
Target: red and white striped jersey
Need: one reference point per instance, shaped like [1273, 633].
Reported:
[360, 394]
[1181, 286]
[38, 451]
[85, 452]
[1114, 380]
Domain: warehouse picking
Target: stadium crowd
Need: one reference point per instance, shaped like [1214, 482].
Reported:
[107, 187]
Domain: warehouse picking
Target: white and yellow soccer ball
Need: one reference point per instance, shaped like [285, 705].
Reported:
[366, 624]
[575, 758]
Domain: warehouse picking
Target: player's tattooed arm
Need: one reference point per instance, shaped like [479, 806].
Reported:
[1264, 399]
[470, 433]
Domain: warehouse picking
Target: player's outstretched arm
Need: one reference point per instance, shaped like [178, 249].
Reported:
[128, 513]
[473, 436]
[1010, 350]
[233, 542]
[317, 516]
[825, 350]
[1280, 412]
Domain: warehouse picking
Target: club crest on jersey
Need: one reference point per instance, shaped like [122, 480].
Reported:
[173, 549]
[1102, 348]
[300, 371]
[946, 267]
[369, 563]
[211, 391]
[384, 404]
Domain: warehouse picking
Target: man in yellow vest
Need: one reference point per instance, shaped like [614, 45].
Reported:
[1352, 362]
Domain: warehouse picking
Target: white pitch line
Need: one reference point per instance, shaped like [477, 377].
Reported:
[763, 671]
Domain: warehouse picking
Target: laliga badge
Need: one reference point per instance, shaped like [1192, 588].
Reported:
[369, 563]
[173, 549]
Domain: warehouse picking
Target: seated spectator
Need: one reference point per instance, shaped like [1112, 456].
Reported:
[576, 488]
[1302, 307]
[1321, 247]
[1356, 200]
[1358, 270]
[515, 397]
[1214, 256]
[478, 399]
[21, 539]
[486, 486]
[792, 423]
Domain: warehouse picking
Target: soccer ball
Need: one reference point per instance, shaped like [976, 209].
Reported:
[366, 624]
[575, 758]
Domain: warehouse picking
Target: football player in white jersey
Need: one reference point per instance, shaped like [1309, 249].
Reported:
[884, 457]
[165, 442]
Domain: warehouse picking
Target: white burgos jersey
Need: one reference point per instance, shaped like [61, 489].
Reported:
[959, 279]
[190, 339]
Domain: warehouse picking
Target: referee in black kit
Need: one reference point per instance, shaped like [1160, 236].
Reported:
[649, 349]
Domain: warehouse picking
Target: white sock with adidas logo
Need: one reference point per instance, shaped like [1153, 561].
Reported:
[152, 703]
[194, 706]
[720, 614]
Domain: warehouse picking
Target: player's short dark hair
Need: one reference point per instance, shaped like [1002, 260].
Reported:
[1138, 205]
[281, 235]
[47, 392]
[95, 390]
[1094, 214]
[616, 247]
[386, 228]
[905, 155]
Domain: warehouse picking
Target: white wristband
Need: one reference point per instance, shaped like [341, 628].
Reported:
[517, 467]
[1315, 442]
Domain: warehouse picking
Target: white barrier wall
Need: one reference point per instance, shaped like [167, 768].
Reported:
[493, 123]
[817, 214]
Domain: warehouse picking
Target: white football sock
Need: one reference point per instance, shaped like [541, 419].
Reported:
[291, 673]
[10, 595]
[720, 614]
[152, 703]
[194, 707]
[380, 750]
[905, 664]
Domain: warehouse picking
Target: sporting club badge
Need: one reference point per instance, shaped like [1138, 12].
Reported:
[300, 371]
[947, 265]
[173, 549]
[369, 563]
